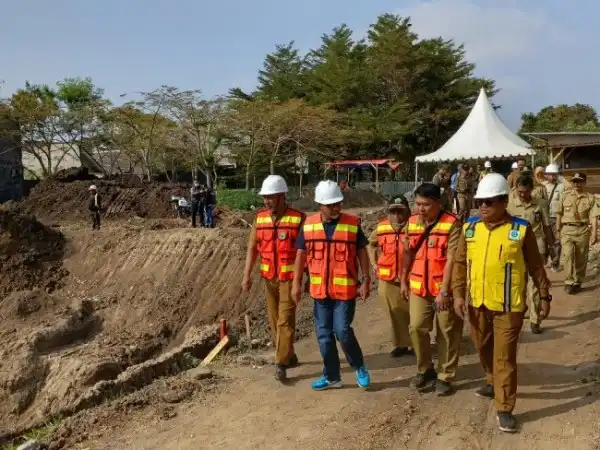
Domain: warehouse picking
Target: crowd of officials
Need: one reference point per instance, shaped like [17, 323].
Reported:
[437, 265]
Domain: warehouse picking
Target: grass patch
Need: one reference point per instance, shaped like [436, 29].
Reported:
[35, 434]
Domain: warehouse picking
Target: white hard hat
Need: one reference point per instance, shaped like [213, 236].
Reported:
[552, 169]
[273, 184]
[328, 193]
[492, 185]
[514, 165]
[93, 188]
[487, 165]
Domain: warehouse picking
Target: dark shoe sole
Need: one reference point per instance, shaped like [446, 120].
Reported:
[506, 430]
[487, 397]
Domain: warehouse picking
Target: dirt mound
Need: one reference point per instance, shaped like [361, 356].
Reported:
[352, 199]
[30, 254]
[133, 298]
[54, 199]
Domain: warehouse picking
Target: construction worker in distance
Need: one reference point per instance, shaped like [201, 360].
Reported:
[388, 239]
[332, 246]
[577, 212]
[555, 190]
[432, 235]
[517, 167]
[495, 252]
[487, 169]
[464, 191]
[535, 211]
[94, 206]
[273, 237]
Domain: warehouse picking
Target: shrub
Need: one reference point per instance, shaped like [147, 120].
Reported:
[239, 199]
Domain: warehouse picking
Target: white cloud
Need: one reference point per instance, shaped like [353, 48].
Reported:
[491, 34]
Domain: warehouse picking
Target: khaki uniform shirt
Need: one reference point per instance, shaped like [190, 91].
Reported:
[557, 195]
[533, 261]
[464, 185]
[578, 208]
[512, 179]
[452, 239]
[536, 213]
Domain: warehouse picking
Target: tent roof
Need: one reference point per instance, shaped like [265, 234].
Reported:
[482, 135]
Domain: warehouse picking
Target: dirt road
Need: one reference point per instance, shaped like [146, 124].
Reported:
[558, 399]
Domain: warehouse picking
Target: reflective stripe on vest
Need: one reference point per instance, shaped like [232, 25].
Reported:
[276, 243]
[496, 265]
[391, 246]
[332, 263]
[427, 271]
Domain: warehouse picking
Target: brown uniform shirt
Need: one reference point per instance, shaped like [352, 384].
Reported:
[536, 213]
[577, 208]
[512, 179]
[464, 185]
[533, 261]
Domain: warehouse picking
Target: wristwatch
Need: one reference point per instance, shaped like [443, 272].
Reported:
[548, 298]
[445, 294]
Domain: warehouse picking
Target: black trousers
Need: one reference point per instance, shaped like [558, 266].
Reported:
[197, 209]
[95, 220]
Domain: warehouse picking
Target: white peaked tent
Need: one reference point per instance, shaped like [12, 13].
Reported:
[482, 135]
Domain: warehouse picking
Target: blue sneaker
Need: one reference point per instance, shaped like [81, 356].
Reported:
[363, 378]
[323, 383]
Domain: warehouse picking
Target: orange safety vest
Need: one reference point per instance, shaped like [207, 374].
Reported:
[427, 271]
[389, 263]
[332, 263]
[276, 243]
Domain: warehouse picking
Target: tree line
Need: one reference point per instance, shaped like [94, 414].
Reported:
[387, 95]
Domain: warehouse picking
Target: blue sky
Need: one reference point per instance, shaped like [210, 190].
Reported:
[540, 51]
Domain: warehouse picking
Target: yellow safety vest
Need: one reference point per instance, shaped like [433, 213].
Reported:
[496, 265]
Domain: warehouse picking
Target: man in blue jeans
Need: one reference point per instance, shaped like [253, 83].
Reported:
[332, 245]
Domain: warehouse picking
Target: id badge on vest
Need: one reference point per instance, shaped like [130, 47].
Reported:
[282, 235]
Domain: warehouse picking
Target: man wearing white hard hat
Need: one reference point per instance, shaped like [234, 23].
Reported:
[273, 237]
[555, 190]
[94, 206]
[333, 246]
[487, 169]
[495, 253]
[517, 167]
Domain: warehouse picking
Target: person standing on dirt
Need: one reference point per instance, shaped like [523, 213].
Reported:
[535, 211]
[517, 167]
[209, 209]
[464, 191]
[577, 225]
[388, 239]
[555, 190]
[333, 245]
[94, 206]
[495, 253]
[197, 197]
[429, 246]
[273, 236]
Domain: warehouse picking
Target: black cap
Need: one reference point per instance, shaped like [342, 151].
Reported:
[578, 176]
[399, 202]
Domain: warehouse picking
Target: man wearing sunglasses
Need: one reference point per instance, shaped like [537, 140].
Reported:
[495, 253]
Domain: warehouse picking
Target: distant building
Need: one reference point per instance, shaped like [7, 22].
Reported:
[11, 169]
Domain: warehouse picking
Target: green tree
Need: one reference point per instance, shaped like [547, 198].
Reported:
[282, 75]
[576, 117]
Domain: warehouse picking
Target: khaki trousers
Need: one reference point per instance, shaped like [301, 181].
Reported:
[496, 337]
[464, 206]
[533, 300]
[575, 242]
[397, 310]
[281, 311]
[449, 332]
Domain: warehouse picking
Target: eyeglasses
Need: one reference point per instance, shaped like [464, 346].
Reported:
[487, 201]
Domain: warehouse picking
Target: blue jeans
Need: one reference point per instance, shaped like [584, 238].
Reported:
[209, 219]
[333, 320]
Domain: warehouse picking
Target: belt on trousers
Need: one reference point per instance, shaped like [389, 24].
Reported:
[576, 224]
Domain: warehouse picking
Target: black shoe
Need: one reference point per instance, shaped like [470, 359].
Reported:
[576, 288]
[535, 328]
[569, 289]
[423, 381]
[507, 422]
[443, 388]
[401, 351]
[280, 374]
[486, 391]
[293, 362]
